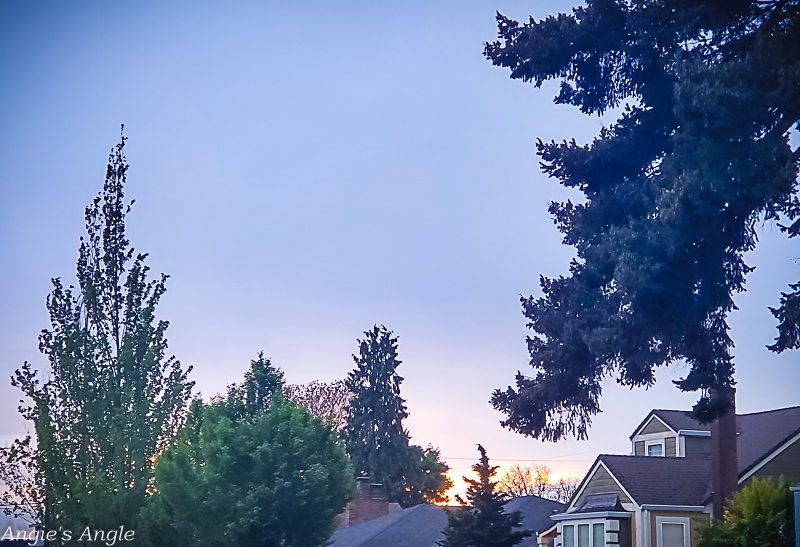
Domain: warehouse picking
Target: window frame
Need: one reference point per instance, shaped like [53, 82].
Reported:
[687, 529]
[591, 522]
[657, 442]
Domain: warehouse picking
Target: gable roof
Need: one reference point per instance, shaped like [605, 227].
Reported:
[758, 433]
[761, 433]
[660, 481]
[674, 419]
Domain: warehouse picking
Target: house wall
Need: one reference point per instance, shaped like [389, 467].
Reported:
[655, 426]
[786, 464]
[625, 534]
[697, 447]
[670, 450]
[601, 483]
[670, 447]
[697, 521]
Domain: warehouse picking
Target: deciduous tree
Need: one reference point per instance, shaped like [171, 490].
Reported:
[525, 480]
[707, 94]
[328, 401]
[111, 399]
[759, 514]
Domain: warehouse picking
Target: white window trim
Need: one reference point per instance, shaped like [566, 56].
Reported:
[661, 442]
[687, 530]
[591, 524]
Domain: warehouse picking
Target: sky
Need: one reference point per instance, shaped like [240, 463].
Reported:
[306, 170]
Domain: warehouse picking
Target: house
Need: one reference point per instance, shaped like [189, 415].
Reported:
[423, 525]
[16, 531]
[677, 476]
[796, 490]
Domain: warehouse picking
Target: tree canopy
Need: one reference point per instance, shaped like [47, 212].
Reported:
[378, 444]
[706, 94]
[485, 523]
[762, 513]
[111, 399]
[249, 471]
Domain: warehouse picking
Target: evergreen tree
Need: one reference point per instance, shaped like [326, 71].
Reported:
[249, 474]
[707, 93]
[263, 381]
[378, 445]
[485, 523]
[376, 440]
[111, 399]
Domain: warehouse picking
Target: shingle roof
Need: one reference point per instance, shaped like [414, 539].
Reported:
[422, 525]
[761, 433]
[681, 419]
[536, 513]
[418, 526]
[661, 481]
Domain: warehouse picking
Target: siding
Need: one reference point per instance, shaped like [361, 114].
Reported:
[602, 483]
[669, 447]
[654, 426]
[698, 447]
[638, 448]
[786, 464]
[697, 521]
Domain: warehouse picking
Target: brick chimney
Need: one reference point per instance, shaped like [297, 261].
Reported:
[371, 502]
[724, 459]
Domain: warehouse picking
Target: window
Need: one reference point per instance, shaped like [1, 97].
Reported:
[590, 534]
[598, 534]
[672, 531]
[583, 535]
[569, 535]
[655, 448]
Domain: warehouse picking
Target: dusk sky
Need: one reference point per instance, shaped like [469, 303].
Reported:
[306, 170]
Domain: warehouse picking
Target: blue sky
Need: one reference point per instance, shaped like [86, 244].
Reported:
[305, 170]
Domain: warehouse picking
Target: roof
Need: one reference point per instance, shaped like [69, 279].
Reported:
[418, 526]
[422, 525]
[536, 513]
[761, 433]
[657, 481]
[676, 419]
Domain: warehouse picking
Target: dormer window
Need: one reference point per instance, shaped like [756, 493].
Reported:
[654, 448]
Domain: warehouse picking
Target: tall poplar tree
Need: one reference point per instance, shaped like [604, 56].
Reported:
[111, 399]
[706, 93]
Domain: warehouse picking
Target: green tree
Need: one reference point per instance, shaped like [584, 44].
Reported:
[111, 400]
[485, 523]
[426, 479]
[377, 443]
[759, 514]
[242, 474]
[707, 94]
